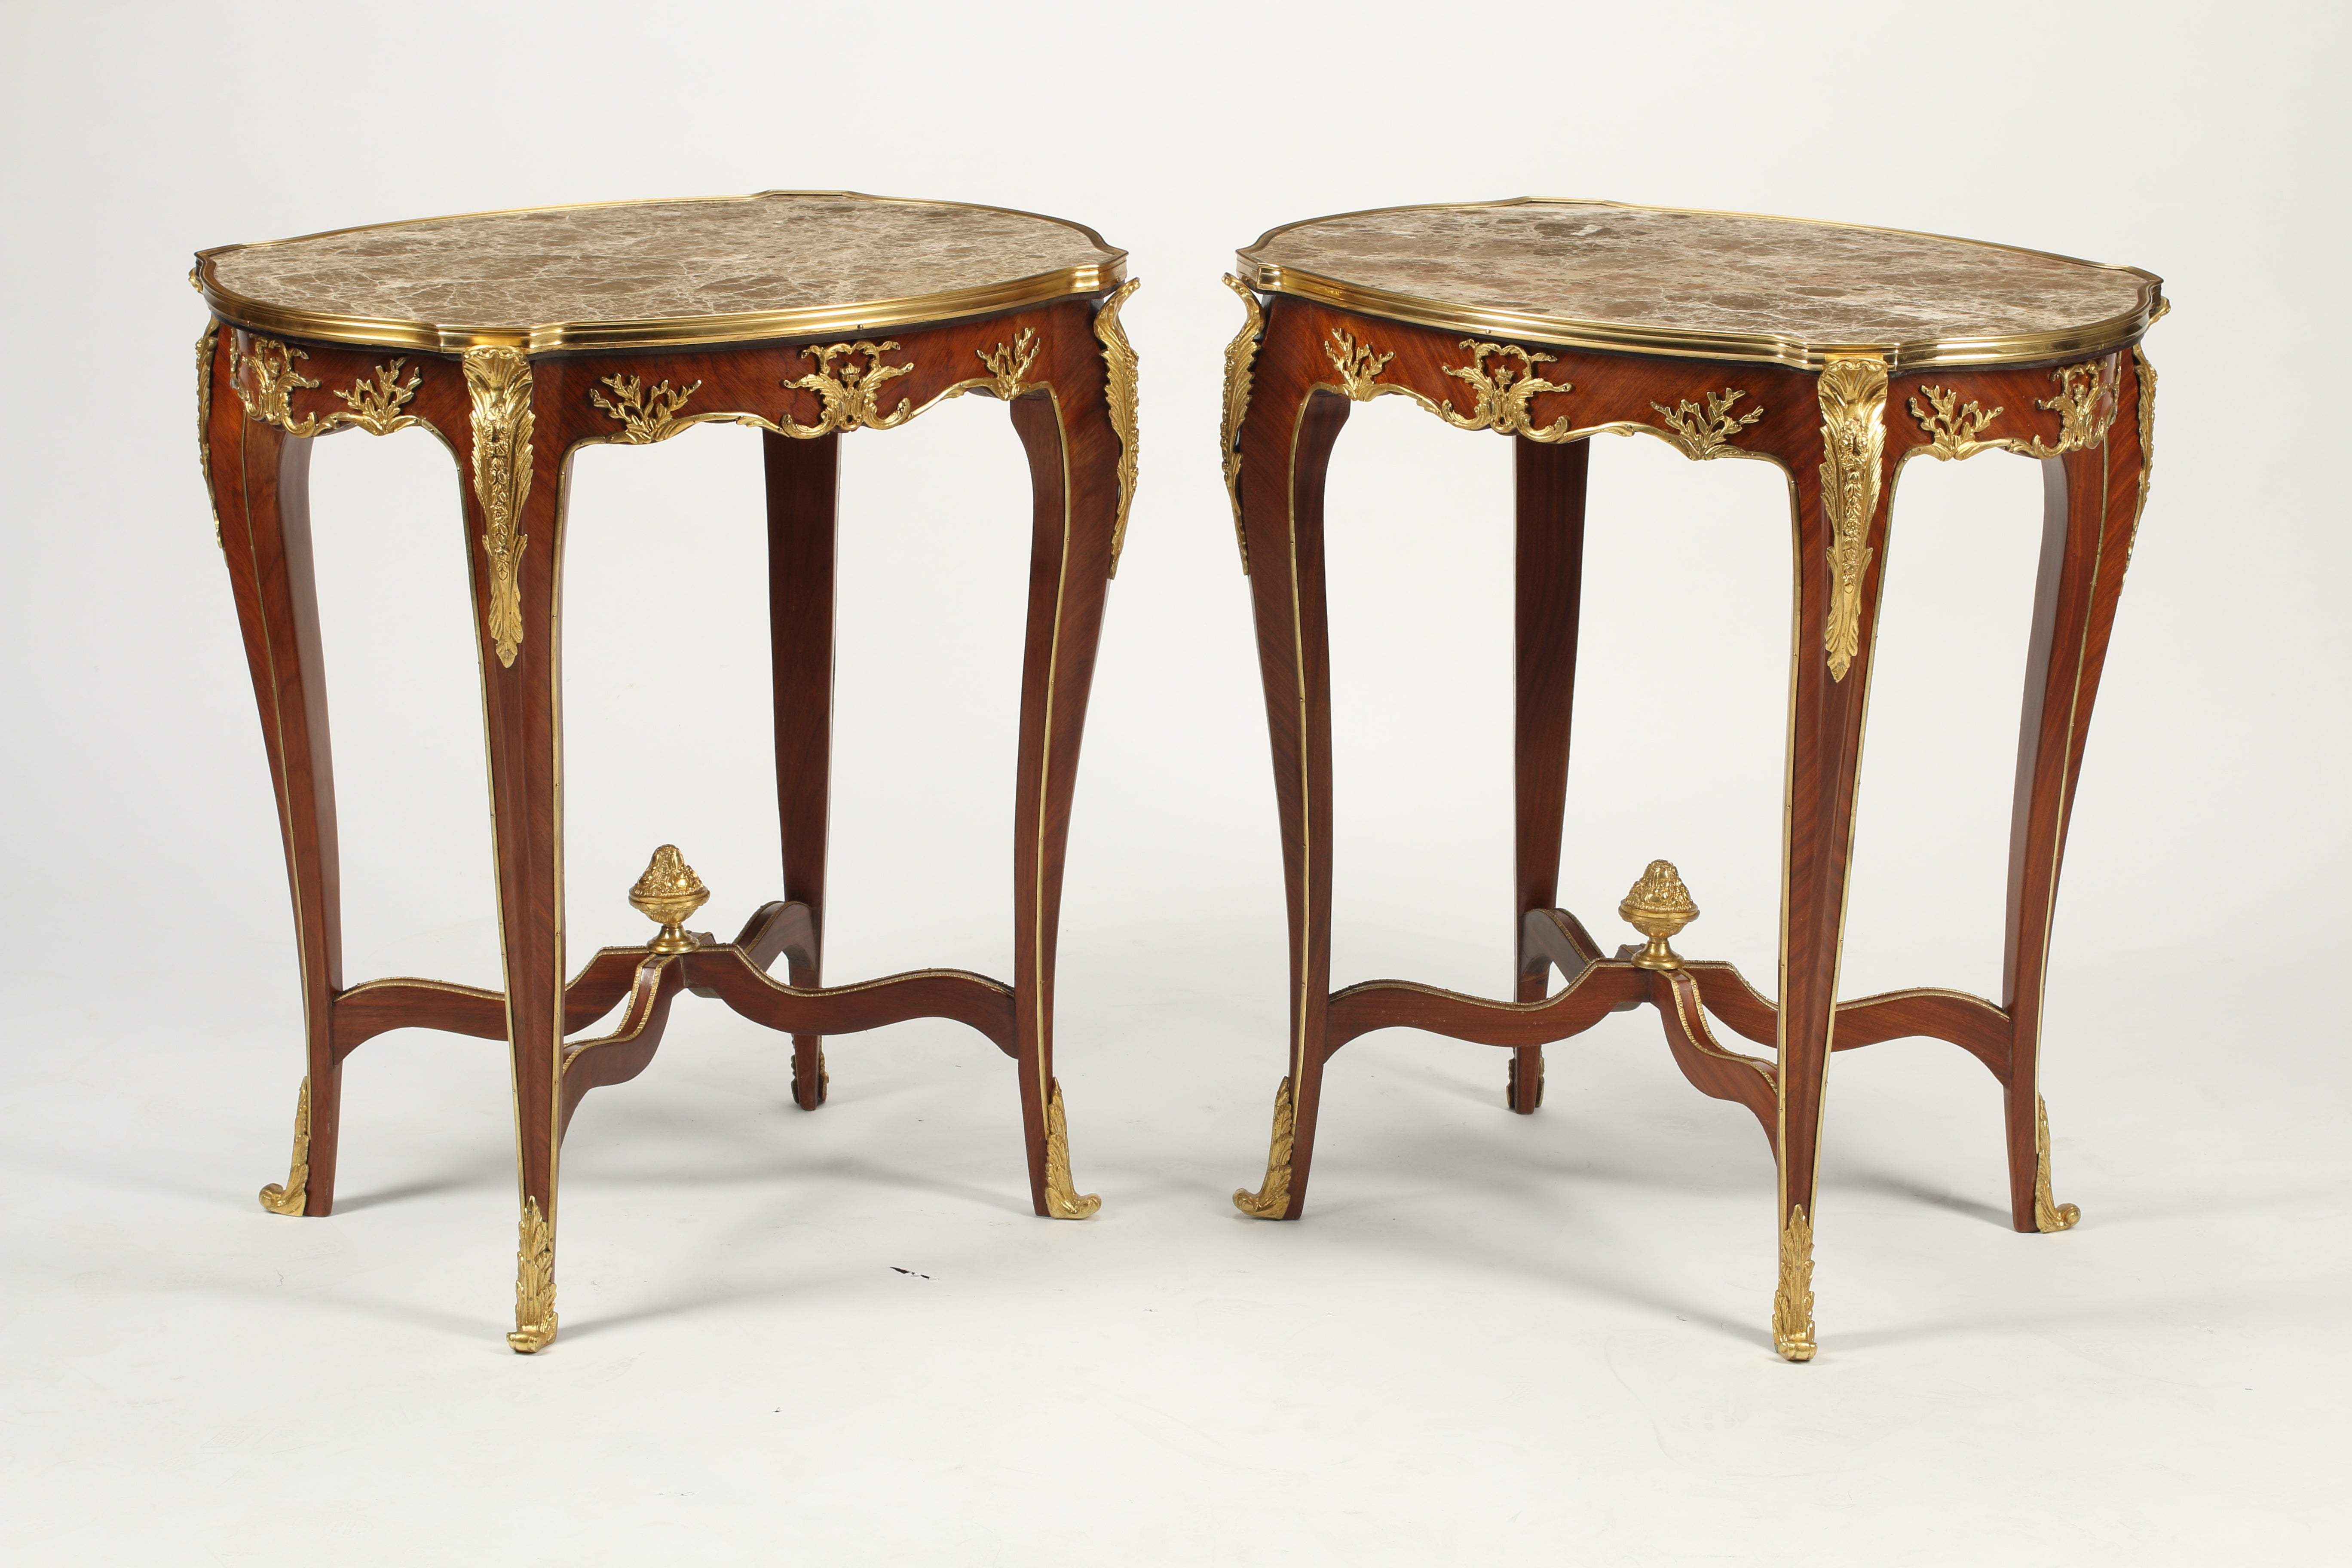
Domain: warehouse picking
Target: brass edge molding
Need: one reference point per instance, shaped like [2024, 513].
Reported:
[1240, 355]
[534, 1328]
[498, 382]
[2049, 1215]
[207, 350]
[1273, 1196]
[660, 332]
[1705, 432]
[1119, 368]
[373, 406]
[1854, 439]
[1792, 1299]
[289, 1198]
[1062, 1202]
[646, 417]
[2013, 347]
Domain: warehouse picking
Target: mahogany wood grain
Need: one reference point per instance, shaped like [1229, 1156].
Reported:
[783, 928]
[1073, 457]
[1287, 440]
[1552, 939]
[261, 480]
[1971, 1023]
[804, 484]
[972, 999]
[1549, 489]
[1600, 990]
[2090, 499]
[372, 1006]
[1713, 1071]
[622, 1053]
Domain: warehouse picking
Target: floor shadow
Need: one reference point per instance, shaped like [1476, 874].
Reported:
[425, 1188]
[1892, 1185]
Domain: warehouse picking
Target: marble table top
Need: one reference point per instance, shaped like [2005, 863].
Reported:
[1598, 274]
[710, 269]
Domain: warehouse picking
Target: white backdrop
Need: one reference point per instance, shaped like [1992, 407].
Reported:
[839, 1336]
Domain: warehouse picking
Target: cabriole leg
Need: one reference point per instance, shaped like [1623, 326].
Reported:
[1548, 485]
[1074, 450]
[514, 545]
[1285, 453]
[1840, 536]
[803, 486]
[260, 482]
[2091, 506]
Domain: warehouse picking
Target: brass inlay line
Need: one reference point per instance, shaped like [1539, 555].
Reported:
[534, 1328]
[1792, 1300]
[1272, 1196]
[646, 417]
[1119, 391]
[1854, 439]
[1702, 434]
[1062, 1202]
[1239, 355]
[498, 382]
[289, 1198]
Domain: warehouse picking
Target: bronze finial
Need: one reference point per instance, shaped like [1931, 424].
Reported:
[1658, 906]
[669, 893]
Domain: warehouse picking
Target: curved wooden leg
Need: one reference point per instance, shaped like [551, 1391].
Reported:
[2091, 506]
[1840, 543]
[1548, 484]
[1075, 449]
[260, 485]
[804, 481]
[1286, 452]
[514, 547]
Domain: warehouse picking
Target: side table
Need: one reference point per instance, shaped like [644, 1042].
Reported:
[517, 338]
[1837, 352]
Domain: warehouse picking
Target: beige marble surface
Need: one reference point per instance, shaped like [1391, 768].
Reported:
[1648, 266]
[649, 259]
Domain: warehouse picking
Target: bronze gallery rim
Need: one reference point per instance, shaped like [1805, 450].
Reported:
[1382, 261]
[1083, 264]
